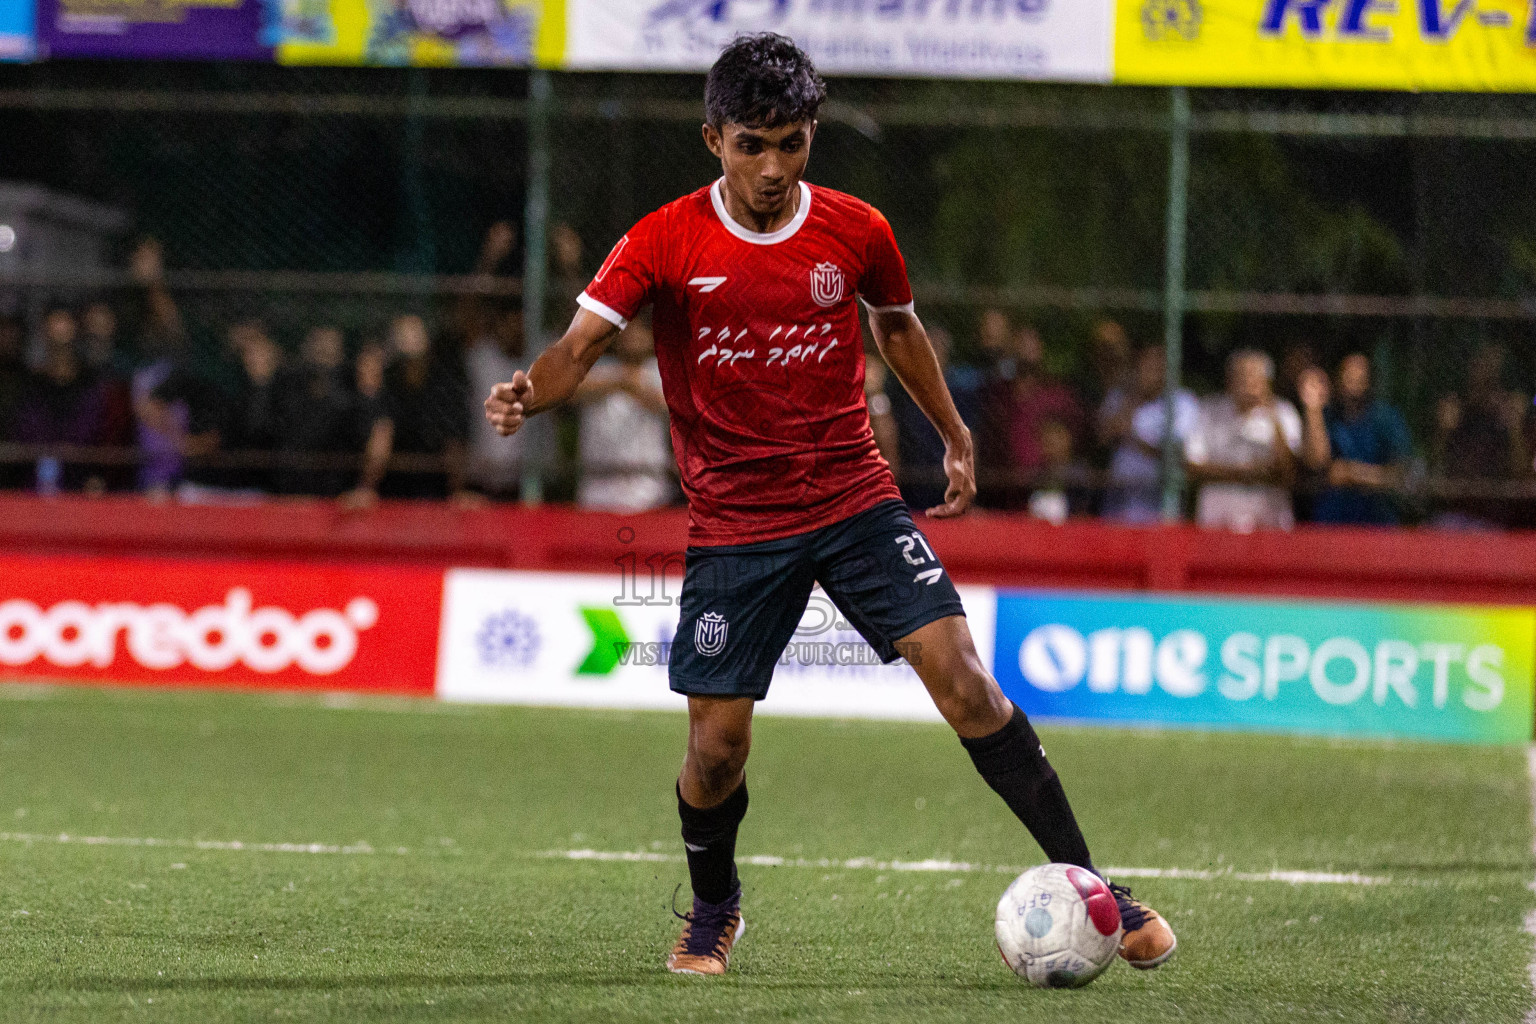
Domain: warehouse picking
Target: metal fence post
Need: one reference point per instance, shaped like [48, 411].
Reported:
[541, 90]
[1174, 300]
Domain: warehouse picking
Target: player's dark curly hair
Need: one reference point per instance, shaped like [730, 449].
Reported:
[762, 81]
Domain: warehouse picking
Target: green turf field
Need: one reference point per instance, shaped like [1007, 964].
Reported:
[436, 897]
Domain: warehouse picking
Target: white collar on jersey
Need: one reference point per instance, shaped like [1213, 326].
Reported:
[760, 237]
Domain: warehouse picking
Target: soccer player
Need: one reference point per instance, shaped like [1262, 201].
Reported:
[753, 283]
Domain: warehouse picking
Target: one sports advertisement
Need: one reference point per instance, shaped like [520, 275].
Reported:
[1450, 672]
[463, 33]
[152, 29]
[18, 30]
[1487, 45]
[1059, 40]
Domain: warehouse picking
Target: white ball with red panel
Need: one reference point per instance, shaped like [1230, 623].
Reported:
[1058, 926]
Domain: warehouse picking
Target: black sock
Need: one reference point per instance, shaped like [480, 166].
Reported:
[710, 839]
[1014, 765]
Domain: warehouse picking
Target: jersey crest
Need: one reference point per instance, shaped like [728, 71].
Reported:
[827, 284]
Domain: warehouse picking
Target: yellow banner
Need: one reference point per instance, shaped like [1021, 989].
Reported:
[433, 33]
[1451, 45]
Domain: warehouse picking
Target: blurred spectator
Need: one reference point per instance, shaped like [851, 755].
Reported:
[1479, 438]
[13, 385]
[104, 357]
[423, 413]
[994, 337]
[1110, 366]
[1032, 399]
[1242, 450]
[565, 251]
[918, 448]
[1063, 486]
[877, 378]
[164, 382]
[1131, 426]
[497, 464]
[62, 404]
[1296, 359]
[204, 421]
[1367, 447]
[626, 452]
[100, 344]
[368, 373]
[318, 417]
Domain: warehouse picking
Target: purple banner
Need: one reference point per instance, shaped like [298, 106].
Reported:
[152, 29]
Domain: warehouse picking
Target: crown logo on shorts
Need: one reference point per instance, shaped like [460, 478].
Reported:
[709, 634]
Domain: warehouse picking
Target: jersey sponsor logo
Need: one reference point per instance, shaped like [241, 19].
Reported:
[706, 284]
[613, 256]
[826, 284]
[709, 634]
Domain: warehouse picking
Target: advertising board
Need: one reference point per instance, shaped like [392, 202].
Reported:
[1451, 672]
[1486, 46]
[1023, 39]
[563, 639]
[130, 621]
[152, 29]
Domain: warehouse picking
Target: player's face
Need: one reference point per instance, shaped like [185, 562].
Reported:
[763, 166]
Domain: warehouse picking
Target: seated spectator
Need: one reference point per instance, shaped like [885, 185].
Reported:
[1131, 426]
[424, 413]
[63, 404]
[1479, 440]
[1367, 447]
[13, 385]
[1242, 451]
[318, 417]
[1063, 486]
[626, 451]
[919, 450]
[1033, 399]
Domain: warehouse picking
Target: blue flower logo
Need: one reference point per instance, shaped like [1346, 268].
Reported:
[508, 639]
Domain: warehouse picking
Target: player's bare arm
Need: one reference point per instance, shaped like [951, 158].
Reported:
[554, 377]
[905, 346]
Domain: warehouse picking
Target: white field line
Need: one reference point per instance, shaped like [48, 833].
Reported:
[757, 860]
[1530, 918]
[963, 867]
[64, 838]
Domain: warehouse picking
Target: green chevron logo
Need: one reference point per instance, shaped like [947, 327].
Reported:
[609, 641]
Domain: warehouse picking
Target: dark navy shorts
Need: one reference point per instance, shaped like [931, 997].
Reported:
[741, 603]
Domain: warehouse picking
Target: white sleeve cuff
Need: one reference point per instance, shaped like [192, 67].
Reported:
[591, 305]
[902, 307]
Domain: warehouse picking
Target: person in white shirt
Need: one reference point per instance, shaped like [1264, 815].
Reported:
[497, 465]
[626, 450]
[1242, 453]
[1131, 421]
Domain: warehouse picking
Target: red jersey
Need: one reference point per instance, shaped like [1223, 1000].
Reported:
[761, 355]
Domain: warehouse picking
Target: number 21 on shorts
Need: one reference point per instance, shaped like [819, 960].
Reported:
[910, 541]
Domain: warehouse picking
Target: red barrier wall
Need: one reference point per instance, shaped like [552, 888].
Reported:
[1010, 550]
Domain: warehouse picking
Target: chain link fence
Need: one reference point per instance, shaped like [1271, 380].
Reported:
[1032, 217]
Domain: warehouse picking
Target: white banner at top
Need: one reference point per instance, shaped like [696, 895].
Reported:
[1059, 40]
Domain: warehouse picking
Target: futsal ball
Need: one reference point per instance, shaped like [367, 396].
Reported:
[1058, 926]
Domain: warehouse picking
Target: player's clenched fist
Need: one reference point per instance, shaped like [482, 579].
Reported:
[507, 406]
